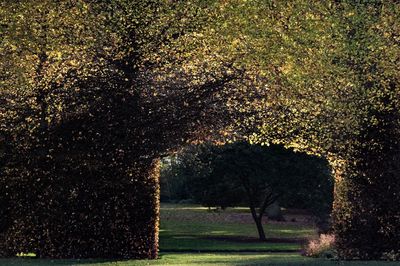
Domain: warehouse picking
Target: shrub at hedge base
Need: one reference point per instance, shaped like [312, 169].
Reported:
[63, 215]
[367, 198]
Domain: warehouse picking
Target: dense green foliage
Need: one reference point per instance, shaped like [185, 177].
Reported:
[331, 73]
[98, 90]
[90, 98]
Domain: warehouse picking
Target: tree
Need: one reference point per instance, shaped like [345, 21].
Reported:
[330, 72]
[253, 175]
[92, 93]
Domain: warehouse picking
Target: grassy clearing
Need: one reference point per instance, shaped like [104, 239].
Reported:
[195, 228]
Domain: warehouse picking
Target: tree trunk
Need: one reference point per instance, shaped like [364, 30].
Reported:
[258, 221]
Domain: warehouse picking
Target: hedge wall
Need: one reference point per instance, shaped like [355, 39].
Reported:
[367, 195]
[80, 212]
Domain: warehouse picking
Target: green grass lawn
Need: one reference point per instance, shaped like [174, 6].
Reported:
[192, 259]
[187, 228]
[194, 228]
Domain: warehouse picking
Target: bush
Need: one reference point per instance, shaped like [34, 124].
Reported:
[323, 247]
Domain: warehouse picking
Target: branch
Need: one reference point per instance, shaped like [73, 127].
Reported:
[269, 199]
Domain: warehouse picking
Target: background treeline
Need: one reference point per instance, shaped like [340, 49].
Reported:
[222, 176]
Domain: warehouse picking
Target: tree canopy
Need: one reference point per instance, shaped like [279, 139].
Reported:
[98, 90]
[92, 93]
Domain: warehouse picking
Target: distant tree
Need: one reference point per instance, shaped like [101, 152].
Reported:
[255, 176]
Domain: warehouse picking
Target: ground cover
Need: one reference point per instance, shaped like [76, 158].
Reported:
[196, 228]
[219, 259]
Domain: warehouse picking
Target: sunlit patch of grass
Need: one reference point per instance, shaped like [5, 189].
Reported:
[219, 233]
[26, 255]
[295, 232]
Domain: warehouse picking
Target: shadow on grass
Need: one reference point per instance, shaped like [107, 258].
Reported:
[246, 239]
